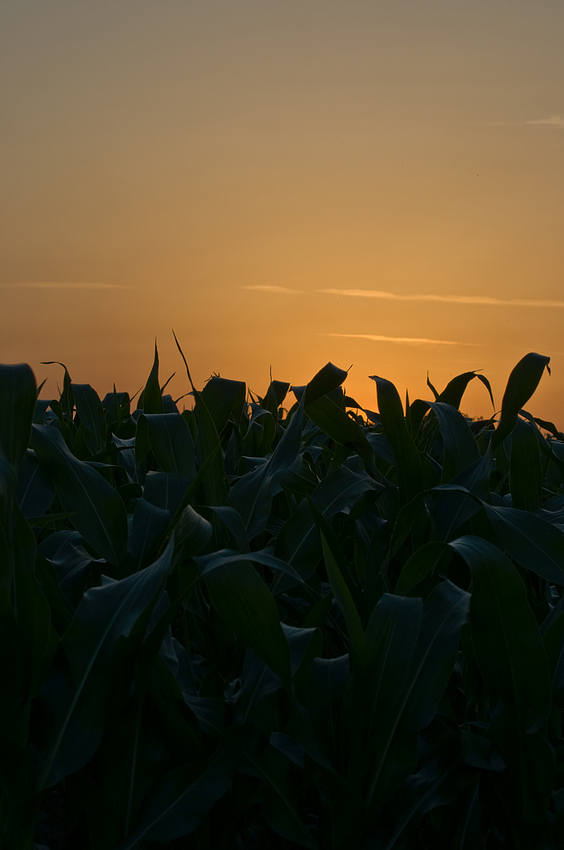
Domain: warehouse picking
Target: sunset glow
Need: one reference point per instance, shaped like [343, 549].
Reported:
[284, 184]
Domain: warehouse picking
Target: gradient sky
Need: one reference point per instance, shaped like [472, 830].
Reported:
[284, 182]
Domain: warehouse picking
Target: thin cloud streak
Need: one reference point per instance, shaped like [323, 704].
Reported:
[551, 121]
[48, 285]
[265, 288]
[404, 339]
[483, 300]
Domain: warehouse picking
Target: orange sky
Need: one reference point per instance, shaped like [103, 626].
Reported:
[284, 182]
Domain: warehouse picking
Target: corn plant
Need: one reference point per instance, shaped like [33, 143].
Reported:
[280, 621]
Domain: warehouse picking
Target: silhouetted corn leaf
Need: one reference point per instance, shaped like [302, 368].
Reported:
[454, 390]
[298, 540]
[181, 800]
[148, 526]
[359, 649]
[534, 543]
[319, 724]
[334, 422]
[223, 398]
[170, 441]
[245, 603]
[460, 449]
[99, 512]
[425, 560]
[440, 781]
[510, 653]
[34, 489]
[151, 399]
[226, 556]
[408, 460]
[251, 495]
[523, 381]
[76, 702]
[525, 472]
[412, 705]
[18, 393]
[166, 490]
[280, 802]
[453, 508]
[91, 415]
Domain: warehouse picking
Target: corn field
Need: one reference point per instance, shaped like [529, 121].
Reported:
[280, 621]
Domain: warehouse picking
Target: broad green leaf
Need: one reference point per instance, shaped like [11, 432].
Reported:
[227, 556]
[251, 495]
[147, 529]
[34, 489]
[444, 612]
[166, 490]
[391, 635]
[506, 638]
[223, 398]
[531, 541]
[359, 649]
[191, 533]
[244, 602]
[76, 707]
[460, 448]
[181, 800]
[343, 818]
[25, 625]
[453, 508]
[171, 442]
[233, 522]
[440, 781]
[318, 725]
[280, 801]
[425, 560]
[334, 422]
[98, 511]
[258, 681]
[298, 540]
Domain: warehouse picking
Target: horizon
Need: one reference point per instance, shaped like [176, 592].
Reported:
[284, 185]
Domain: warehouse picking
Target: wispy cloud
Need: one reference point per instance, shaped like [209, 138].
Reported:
[404, 339]
[56, 285]
[483, 300]
[265, 288]
[553, 121]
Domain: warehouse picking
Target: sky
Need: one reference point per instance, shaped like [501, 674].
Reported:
[376, 183]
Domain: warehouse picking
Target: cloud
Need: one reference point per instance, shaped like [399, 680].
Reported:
[55, 285]
[404, 339]
[553, 121]
[264, 288]
[483, 300]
